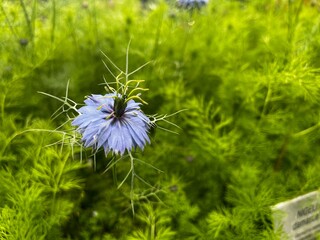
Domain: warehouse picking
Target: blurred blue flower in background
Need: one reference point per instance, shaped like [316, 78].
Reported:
[192, 3]
[112, 122]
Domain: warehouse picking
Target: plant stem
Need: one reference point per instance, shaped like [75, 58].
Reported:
[53, 20]
[26, 16]
[114, 172]
[153, 227]
[157, 37]
[283, 149]
[3, 100]
[132, 182]
[306, 131]
[33, 18]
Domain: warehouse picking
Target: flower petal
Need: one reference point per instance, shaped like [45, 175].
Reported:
[101, 128]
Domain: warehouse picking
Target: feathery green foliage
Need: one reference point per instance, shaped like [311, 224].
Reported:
[246, 71]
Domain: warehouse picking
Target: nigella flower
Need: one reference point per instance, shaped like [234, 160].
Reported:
[192, 3]
[111, 122]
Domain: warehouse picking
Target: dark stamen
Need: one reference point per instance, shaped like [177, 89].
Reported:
[119, 106]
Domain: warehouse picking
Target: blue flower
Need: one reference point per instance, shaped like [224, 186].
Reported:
[192, 3]
[113, 123]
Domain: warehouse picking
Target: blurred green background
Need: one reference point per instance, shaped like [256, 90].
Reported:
[247, 73]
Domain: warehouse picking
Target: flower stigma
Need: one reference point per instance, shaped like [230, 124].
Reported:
[119, 106]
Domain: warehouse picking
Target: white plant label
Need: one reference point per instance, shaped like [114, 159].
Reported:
[299, 218]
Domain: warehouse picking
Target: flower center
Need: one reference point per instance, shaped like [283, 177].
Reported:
[119, 106]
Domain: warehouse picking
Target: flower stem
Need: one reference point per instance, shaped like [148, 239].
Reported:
[114, 172]
[132, 182]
